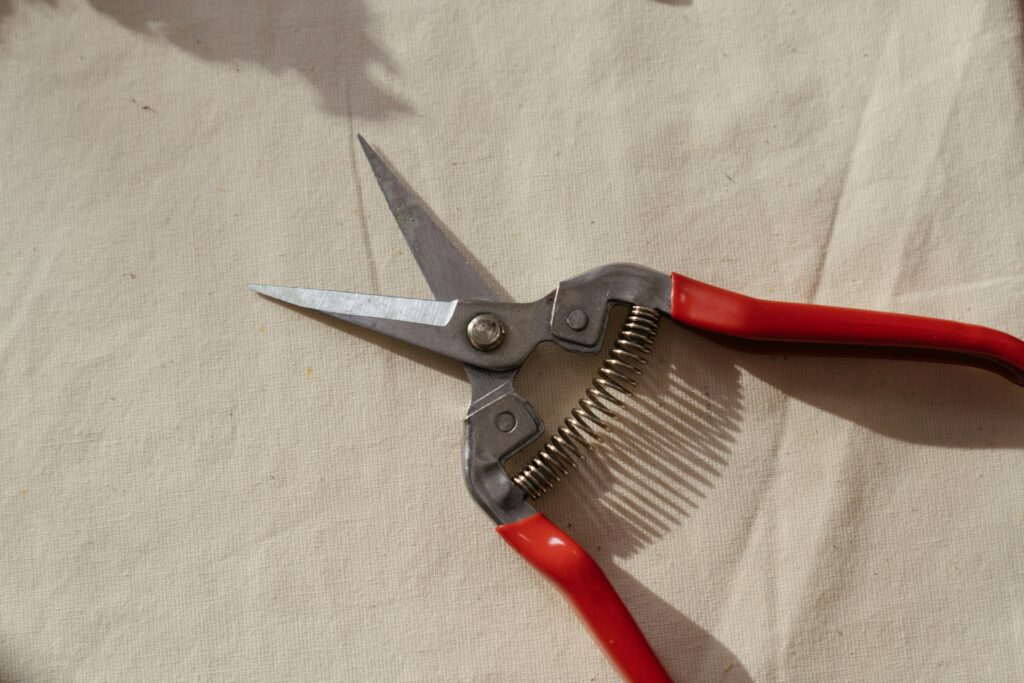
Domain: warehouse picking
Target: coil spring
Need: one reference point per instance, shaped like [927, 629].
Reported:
[572, 441]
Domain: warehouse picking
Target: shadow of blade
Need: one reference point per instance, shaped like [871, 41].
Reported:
[327, 43]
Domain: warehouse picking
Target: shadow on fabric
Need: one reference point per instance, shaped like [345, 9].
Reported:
[673, 441]
[665, 452]
[327, 43]
[914, 401]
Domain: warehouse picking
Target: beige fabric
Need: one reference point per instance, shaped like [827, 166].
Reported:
[198, 484]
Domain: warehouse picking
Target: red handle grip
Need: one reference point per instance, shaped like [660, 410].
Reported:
[567, 565]
[718, 310]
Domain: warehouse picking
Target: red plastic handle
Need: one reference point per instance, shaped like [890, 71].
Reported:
[567, 565]
[718, 310]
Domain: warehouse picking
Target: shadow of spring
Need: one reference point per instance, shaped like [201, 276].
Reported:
[664, 453]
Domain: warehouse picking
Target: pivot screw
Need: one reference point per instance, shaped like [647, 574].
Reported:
[485, 332]
[577, 319]
[505, 422]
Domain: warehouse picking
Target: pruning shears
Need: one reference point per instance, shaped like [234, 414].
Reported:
[472, 323]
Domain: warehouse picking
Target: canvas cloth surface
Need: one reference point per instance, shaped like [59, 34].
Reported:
[198, 484]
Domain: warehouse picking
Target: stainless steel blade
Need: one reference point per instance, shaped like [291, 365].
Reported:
[446, 269]
[343, 304]
[438, 326]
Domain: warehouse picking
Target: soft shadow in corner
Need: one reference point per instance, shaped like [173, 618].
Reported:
[325, 42]
[664, 453]
[13, 671]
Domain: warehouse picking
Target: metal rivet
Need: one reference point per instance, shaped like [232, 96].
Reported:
[506, 422]
[577, 319]
[485, 332]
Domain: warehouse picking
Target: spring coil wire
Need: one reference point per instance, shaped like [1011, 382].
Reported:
[616, 378]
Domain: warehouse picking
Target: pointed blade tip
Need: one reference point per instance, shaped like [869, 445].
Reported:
[285, 294]
[346, 305]
[367, 150]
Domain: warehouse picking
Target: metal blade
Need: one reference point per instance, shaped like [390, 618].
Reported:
[345, 305]
[438, 326]
[415, 321]
[448, 272]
